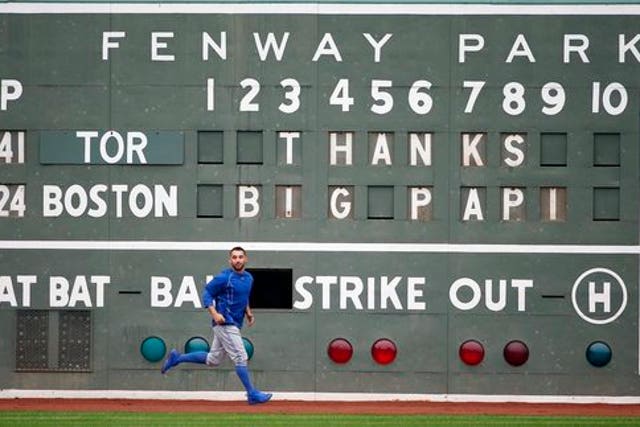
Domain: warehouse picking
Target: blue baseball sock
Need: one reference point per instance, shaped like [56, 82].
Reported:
[243, 374]
[194, 357]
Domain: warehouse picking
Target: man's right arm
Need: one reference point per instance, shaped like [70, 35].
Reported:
[217, 317]
[208, 297]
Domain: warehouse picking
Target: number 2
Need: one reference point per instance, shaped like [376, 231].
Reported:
[246, 103]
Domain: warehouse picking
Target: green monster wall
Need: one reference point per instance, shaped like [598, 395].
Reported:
[424, 174]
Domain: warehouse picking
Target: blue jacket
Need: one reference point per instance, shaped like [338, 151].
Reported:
[230, 291]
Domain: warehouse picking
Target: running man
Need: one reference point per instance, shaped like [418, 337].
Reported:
[226, 297]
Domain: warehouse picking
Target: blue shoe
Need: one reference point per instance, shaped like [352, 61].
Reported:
[256, 397]
[171, 361]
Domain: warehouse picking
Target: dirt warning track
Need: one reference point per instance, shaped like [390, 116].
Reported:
[325, 407]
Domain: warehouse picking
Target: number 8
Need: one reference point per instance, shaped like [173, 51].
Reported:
[513, 103]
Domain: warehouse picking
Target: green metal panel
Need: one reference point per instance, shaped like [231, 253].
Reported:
[210, 147]
[530, 189]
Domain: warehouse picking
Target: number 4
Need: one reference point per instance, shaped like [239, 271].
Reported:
[340, 95]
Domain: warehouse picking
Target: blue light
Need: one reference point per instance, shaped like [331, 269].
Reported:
[153, 349]
[598, 354]
[248, 346]
[196, 344]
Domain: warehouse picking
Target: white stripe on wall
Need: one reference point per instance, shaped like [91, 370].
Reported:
[313, 397]
[321, 8]
[145, 245]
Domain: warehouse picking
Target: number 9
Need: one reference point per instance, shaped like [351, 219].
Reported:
[553, 95]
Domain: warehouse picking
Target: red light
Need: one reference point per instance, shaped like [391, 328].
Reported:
[340, 350]
[471, 352]
[384, 351]
[516, 353]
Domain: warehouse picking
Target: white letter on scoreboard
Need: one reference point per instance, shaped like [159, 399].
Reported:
[119, 145]
[289, 137]
[473, 287]
[100, 281]
[221, 49]
[211, 99]
[388, 292]
[136, 147]
[80, 292]
[161, 291]
[7, 294]
[248, 206]
[26, 282]
[156, 45]
[413, 294]
[420, 147]
[343, 209]
[377, 45]
[511, 198]
[520, 48]
[464, 47]
[521, 285]
[580, 48]
[420, 197]
[381, 151]
[351, 288]
[346, 148]
[327, 47]
[188, 292]
[513, 145]
[58, 291]
[108, 44]
[10, 90]
[51, 200]
[326, 282]
[269, 44]
[623, 47]
[307, 297]
[470, 149]
[603, 297]
[87, 136]
[473, 207]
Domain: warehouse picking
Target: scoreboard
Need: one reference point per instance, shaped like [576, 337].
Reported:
[435, 198]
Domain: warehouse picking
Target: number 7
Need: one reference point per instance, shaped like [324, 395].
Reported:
[476, 87]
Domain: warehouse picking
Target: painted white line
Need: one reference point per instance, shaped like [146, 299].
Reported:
[147, 245]
[463, 9]
[313, 396]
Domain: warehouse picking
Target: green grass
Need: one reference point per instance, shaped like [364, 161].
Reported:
[125, 419]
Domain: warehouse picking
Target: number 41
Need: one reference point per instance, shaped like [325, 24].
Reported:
[6, 147]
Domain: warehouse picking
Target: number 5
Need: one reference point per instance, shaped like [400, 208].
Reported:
[379, 95]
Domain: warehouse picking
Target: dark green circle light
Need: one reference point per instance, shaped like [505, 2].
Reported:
[598, 354]
[153, 349]
[196, 344]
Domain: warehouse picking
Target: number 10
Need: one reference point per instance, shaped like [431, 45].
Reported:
[605, 98]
